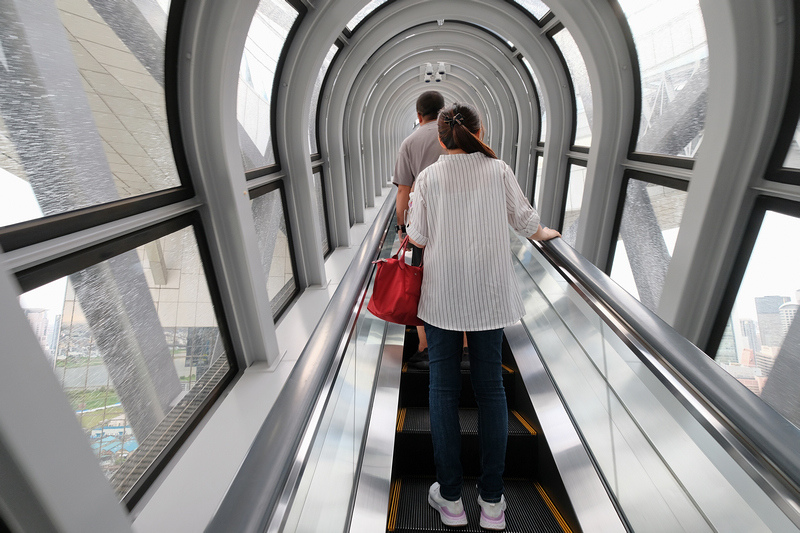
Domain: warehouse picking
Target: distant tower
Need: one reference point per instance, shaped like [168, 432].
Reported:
[727, 352]
[38, 321]
[748, 328]
[769, 319]
[787, 312]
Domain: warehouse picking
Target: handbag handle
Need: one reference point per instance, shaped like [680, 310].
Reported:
[402, 249]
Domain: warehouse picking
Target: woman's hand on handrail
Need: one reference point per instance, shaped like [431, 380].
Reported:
[544, 234]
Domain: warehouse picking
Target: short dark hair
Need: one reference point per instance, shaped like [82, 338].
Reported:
[429, 103]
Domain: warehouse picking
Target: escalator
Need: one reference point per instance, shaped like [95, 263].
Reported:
[616, 422]
[529, 506]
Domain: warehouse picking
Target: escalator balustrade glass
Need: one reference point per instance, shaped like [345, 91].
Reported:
[663, 465]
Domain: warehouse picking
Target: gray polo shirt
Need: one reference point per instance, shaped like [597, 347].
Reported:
[417, 151]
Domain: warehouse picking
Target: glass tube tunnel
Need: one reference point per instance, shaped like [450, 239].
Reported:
[192, 195]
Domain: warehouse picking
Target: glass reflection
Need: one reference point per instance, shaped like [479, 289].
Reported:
[580, 82]
[312, 117]
[135, 345]
[361, 15]
[537, 192]
[761, 343]
[572, 213]
[268, 31]
[651, 219]
[793, 155]
[536, 7]
[269, 217]
[671, 46]
[542, 109]
[82, 112]
[322, 209]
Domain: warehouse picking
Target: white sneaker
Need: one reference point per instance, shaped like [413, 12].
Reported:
[493, 515]
[451, 513]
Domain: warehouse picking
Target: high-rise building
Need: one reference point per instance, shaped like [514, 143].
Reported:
[787, 312]
[38, 321]
[727, 351]
[769, 319]
[750, 332]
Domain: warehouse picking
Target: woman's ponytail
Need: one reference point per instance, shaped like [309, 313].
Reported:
[460, 128]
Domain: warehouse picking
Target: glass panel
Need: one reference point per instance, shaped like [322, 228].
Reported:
[670, 40]
[269, 217]
[793, 155]
[366, 10]
[656, 454]
[536, 7]
[262, 49]
[537, 193]
[572, 213]
[326, 488]
[581, 84]
[82, 111]
[312, 117]
[761, 344]
[322, 210]
[542, 109]
[134, 343]
[650, 222]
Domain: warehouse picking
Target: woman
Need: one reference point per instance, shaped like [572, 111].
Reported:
[459, 212]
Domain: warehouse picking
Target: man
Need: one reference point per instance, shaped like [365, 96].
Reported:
[418, 150]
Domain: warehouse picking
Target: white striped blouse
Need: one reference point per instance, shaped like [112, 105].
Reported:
[460, 211]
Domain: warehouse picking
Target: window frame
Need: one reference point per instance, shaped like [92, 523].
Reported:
[39, 230]
[261, 190]
[318, 107]
[550, 34]
[745, 251]
[647, 177]
[253, 173]
[539, 104]
[686, 163]
[565, 193]
[318, 169]
[776, 172]
[38, 275]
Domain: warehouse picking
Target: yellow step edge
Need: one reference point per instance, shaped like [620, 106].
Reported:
[394, 500]
[553, 509]
[401, 419]
[508, 369]
[524, 422]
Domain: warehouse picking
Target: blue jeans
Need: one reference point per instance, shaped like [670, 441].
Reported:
[485, 352]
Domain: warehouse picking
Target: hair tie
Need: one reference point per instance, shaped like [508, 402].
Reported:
[458, 118]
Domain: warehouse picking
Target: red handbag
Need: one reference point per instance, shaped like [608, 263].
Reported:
[395, 293]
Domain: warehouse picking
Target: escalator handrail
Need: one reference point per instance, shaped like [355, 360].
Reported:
[767, 431]
[257, 488]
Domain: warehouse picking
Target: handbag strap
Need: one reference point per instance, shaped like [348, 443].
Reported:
[402, 249]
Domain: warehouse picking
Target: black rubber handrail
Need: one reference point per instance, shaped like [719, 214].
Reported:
[256, 490]
[769, 433]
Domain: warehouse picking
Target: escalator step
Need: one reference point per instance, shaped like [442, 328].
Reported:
[414, 388]
[528, 508]
[417, 420]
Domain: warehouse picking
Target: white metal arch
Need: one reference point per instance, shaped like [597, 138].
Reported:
[494, 15]
[511, 105]
[597, 32]
[749, 49]
[509, 113]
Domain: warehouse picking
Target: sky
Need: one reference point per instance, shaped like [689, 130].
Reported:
[18, 204]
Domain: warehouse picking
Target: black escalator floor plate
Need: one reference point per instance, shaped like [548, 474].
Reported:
[527, 510]
[417, 420]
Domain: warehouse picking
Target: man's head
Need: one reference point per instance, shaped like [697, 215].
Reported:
[428, 105]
